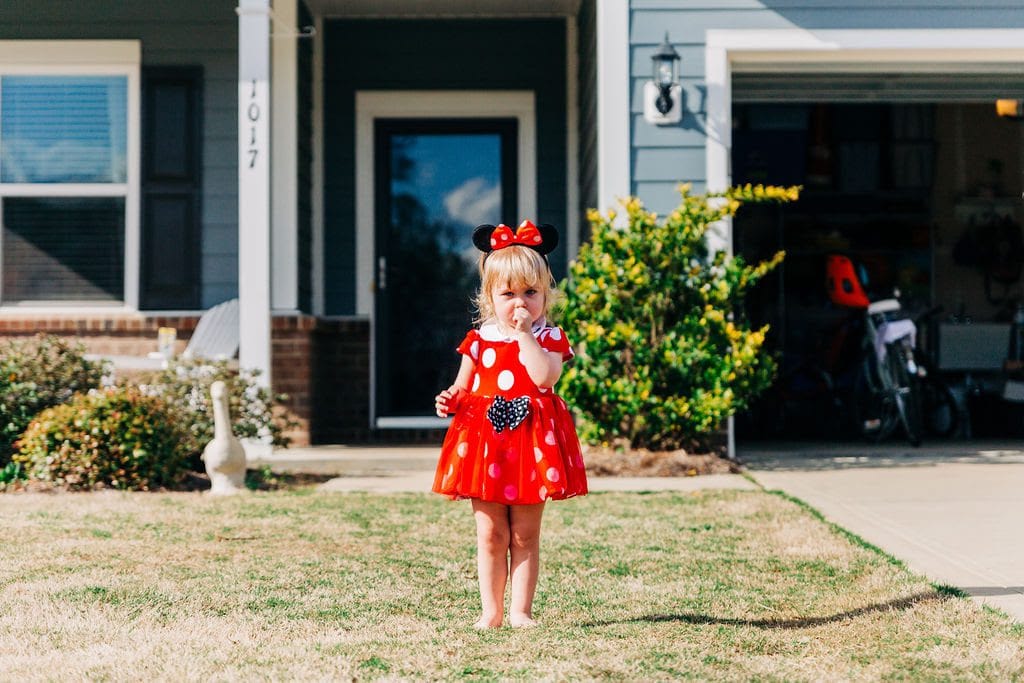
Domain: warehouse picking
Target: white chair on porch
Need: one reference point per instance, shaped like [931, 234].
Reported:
[215, 338]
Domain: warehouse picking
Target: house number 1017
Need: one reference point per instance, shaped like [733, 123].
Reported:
[253, 114]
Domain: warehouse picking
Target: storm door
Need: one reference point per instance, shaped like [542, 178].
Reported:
[436, 179]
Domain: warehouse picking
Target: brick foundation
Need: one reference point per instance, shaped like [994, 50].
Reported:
[323, 365]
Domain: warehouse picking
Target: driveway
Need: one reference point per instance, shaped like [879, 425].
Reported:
[953, 511]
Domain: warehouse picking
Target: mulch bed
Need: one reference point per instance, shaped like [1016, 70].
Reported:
[611, 462]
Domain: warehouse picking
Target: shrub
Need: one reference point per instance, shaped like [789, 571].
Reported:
[115, 437]
[185, 386]
[664, 355]
[35, 374]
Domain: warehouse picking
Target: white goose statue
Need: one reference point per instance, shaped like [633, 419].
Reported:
[224, 456]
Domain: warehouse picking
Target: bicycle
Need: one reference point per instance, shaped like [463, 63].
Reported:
[887, 391]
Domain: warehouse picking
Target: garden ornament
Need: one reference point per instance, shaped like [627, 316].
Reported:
[224, 456]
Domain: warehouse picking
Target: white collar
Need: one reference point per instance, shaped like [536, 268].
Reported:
[489, 330]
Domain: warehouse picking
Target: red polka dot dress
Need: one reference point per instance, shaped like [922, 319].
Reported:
[510, 442]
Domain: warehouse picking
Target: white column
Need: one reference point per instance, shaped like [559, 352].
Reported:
[613, 98]
[284, 240]
[254, 185]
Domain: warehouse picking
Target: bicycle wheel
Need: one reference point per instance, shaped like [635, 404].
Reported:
[875, 411]
[905, 392]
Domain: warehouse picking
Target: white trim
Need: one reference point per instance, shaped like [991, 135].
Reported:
[413, 422]
[284, 234]
[613, 119]
[88, 58]
[920, 50]
[371, 105]
[133, 198]
[89, 54]
[254, 126]
[67, 189]
[317, 174]
[572, 140]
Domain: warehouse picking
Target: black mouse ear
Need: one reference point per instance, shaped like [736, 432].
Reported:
[549, 238]
[482, 237]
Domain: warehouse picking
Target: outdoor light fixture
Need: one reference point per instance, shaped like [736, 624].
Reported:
[663, 96]
[1012, 109]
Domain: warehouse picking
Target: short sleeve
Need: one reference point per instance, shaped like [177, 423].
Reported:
[470, 345]
[554, 339]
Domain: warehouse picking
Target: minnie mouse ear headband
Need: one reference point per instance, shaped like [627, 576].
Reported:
[541, 238]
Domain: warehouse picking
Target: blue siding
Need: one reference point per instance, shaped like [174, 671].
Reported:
[586, 39]
[444, 55]
[677, 152]
[172, 33]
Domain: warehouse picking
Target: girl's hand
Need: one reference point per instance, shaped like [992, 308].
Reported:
[447, 402]
[522, 320]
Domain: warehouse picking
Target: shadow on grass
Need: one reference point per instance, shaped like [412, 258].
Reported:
[770, 623]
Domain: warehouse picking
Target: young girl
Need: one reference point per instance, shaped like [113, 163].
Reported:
[511, 445]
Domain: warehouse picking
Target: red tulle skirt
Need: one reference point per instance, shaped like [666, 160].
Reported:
[538, 460]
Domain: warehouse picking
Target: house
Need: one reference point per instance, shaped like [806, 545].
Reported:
[324, 160]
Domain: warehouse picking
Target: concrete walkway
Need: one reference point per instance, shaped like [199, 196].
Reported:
[953, 511]
[383, 469]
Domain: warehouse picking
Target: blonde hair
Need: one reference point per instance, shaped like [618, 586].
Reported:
[513, 266]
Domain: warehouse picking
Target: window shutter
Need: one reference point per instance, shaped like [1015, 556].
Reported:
[171, 187]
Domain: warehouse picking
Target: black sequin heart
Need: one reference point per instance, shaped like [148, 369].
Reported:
[504, 413]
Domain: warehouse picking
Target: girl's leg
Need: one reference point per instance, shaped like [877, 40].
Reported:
[525, 564]
[492, 540]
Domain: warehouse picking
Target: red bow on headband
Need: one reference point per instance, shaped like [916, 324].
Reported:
[526, 235]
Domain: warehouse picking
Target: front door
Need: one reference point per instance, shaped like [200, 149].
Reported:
[436, 179]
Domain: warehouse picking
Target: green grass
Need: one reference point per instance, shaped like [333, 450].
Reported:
[303, 585]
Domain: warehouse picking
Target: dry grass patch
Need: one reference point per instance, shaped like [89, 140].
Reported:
[311, 586]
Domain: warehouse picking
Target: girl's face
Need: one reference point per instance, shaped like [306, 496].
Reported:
[506, 298]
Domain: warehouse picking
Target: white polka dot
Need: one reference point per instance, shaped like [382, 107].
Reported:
[533, 475]
[538, 454]
[494, 242]
[543, 493]
[494, 471]
[543, 390]
[556, 333]
[510, 492]
[474, 349]
[488, 358]
[549, 439]
[552, 474]
[505, 380]
[461, 449]
[476, 382]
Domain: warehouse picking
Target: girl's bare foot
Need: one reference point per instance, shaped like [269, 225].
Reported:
[486, 622]
[522, 621]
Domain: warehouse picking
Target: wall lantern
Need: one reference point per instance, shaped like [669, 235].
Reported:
[663, 96]
[1012, 109]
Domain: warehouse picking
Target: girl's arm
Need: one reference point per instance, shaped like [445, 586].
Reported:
[543, 367]
[447, 401]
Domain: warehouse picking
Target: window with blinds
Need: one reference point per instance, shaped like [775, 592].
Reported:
[63, 187]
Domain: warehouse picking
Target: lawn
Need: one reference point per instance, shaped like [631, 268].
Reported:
[301, 585]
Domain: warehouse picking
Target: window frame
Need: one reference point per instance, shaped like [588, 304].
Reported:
[84, 58]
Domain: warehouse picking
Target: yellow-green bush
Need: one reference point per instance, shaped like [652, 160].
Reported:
[664, 352]
[116, 437]
[35, 374]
